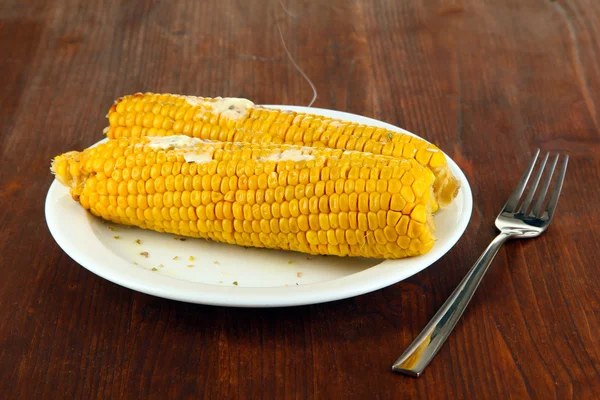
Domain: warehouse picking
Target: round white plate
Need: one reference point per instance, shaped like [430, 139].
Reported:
[204, 272]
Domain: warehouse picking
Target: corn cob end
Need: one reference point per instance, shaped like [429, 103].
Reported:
[446, 186]
[61, 167]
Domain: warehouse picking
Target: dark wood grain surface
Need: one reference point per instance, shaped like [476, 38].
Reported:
[487, 80]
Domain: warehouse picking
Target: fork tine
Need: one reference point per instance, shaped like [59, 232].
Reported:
[536, 180]
[537, 207]
[514, 198]
[557, 188]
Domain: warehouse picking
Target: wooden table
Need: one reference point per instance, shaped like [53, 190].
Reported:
[489, 81]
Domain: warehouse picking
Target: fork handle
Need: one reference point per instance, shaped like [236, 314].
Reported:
[422, 350]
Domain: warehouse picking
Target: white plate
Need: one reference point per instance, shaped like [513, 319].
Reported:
[264, 278]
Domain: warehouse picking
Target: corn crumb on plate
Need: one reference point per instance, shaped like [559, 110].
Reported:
[279, 194]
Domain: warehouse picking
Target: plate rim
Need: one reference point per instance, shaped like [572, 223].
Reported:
[355, 284]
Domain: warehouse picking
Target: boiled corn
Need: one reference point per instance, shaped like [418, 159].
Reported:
[313, 200]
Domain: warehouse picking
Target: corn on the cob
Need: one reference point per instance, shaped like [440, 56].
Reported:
[313, 200]
[239, 120]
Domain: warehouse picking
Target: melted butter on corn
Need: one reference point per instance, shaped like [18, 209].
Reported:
[180, 142]
[230, 107]
[289, 155]
[198, 158]
[175, 141]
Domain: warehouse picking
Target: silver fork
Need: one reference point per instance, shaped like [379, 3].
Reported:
[517, 220]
